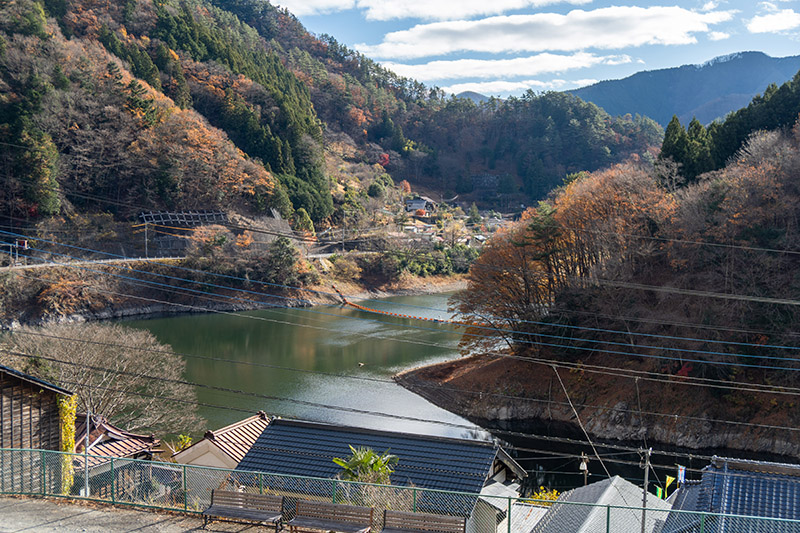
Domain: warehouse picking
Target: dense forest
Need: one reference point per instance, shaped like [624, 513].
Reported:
[231, 104]
[698, 149]
[623, 268]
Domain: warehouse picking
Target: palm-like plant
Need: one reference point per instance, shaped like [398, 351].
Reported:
[367, 466]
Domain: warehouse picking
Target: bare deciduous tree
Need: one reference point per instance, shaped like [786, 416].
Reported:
[122, 373]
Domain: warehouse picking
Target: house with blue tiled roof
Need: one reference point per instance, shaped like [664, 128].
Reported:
[739, 488]
[307, 449]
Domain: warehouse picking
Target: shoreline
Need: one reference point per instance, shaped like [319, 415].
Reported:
[130, 306]
[454, 386]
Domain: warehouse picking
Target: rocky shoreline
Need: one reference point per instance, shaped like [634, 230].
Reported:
[130, 305]
[619, 423]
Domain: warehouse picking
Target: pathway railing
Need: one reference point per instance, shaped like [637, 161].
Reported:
[178, 487]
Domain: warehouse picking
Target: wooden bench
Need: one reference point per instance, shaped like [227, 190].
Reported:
[330, 517]
[405, 522]
[244, 506]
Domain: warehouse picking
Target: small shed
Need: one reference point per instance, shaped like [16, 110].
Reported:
[225, 447]
[28, 411]
[613, 504]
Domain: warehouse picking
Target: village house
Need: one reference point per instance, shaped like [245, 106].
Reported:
[422, 203]
[106, 443]
[468, 467]
[225, 447]
[28, 411]
[737, 487]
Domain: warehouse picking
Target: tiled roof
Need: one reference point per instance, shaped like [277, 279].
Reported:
[740, 487]
[567, 515]
[107, 441]
[308, 449]
[237, 439]
[36, 381]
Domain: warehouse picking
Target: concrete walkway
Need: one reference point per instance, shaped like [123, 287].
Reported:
[18, 514]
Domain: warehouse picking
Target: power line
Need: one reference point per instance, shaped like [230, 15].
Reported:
[389, 381]
[537, 343]
[547, 324]
[478, 326]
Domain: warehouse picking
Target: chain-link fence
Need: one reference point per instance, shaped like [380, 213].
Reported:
[178, 487]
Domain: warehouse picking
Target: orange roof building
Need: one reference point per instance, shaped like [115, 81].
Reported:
[225, 447]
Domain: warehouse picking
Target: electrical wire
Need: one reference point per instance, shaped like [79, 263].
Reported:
[544, 335]
[504, 330]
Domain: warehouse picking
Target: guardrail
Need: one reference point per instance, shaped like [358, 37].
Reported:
[187, 488]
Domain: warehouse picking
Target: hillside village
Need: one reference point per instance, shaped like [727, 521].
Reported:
[253, 279]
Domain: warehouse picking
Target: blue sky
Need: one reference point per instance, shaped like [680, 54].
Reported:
[504, 47]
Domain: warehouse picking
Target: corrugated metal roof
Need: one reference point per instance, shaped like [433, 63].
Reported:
[614, 492]
[237, 439]
[525, 516]
[308, 449]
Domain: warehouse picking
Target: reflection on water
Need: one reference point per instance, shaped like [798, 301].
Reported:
[305, 343]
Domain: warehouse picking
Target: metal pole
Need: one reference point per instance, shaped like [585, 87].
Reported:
[608, 519]
[334, 492]
[86, 453]
[185, 493]
[414, 505]
[261, 482]
[44, 474]
[146, 253]
[644, 491]
[508, 517]
[113, 484]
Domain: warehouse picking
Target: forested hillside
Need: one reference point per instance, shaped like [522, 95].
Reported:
[624, 269]
[697, 149]
[196, 104]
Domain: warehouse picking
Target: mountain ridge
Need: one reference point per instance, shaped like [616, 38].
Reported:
[690, 91]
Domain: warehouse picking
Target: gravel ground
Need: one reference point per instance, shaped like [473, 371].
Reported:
[34, 515]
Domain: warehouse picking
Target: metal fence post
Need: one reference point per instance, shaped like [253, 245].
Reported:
[261, 482]
[702, 523]
[414, 504]
[185, 492]
[608, 519]
[113, 483]
[44, 474]
[508, 517]
[334, 491]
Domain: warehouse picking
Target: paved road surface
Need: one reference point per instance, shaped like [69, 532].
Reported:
[34, 515]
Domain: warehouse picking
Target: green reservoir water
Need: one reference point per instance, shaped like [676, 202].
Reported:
[309, 359]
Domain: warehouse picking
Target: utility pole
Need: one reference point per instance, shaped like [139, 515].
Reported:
[584, 467]
[647, 454]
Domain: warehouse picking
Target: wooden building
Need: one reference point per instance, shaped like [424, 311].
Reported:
[28, 411]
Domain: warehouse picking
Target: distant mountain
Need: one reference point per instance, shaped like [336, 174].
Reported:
[478, 98]
[708, 91]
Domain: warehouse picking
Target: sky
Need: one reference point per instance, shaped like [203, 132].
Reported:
[505, 47]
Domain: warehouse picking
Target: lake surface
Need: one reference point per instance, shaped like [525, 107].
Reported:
[323, 364]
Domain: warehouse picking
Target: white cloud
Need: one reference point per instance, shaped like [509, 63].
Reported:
[439, 10]
[607, 28]
[315, 7]
[783, 20]
[494, 68]
[718, 35]
[419, 9]
[502, 87]
[710, 6]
